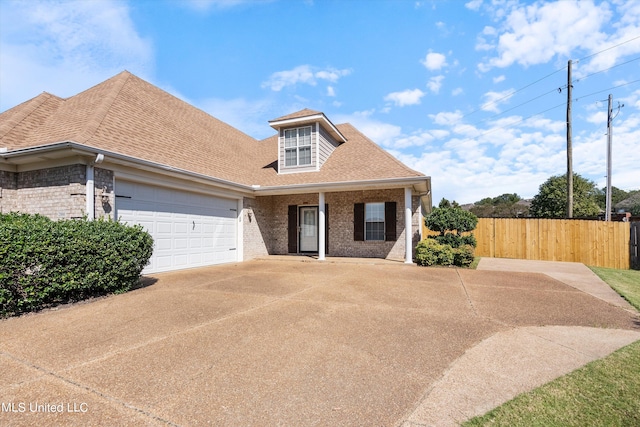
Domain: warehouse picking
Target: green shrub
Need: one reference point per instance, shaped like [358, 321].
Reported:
[455, 240]
[451, 221]
[463, 256]
[45, 262]
[430, 252]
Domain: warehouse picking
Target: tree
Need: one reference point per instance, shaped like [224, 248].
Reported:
[503, 206]
[617, 195]
[551, 200]
[450, 220]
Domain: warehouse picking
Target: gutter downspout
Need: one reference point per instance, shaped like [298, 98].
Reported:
[91, 188]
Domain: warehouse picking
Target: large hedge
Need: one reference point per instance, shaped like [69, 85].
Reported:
[45, 262]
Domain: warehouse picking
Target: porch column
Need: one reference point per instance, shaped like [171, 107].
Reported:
[321, 227]
[408, 232]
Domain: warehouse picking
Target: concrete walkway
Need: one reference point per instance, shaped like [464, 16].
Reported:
[574, 274]
[518, 360]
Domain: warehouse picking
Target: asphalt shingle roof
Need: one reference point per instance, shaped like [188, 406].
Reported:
[130, 116]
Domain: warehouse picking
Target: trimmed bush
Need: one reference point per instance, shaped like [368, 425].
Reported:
[455, 241]
[45, 263]
[429, 252]
[463, 256]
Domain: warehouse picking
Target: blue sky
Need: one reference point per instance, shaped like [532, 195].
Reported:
[470, 93]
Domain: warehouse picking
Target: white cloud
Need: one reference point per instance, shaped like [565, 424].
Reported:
[64, 48]
[434, 61]
[331, 91]
[206, 5]
[499, 79]
[305, 74]
[473, 5]
[406, 97]
[457, 91]
[381, 133]
[536, 33]
[494, 99]
[446, 118]
[435, 83]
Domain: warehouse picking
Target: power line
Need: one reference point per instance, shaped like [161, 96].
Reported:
[516, 106]
[542, 112]
[608, 89]
[606, 69]
[609, 48]
[546, 93]
[511, 93]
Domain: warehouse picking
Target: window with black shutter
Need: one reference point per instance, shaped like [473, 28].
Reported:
[374, 221]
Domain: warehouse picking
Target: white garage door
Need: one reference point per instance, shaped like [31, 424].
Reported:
[188, 229]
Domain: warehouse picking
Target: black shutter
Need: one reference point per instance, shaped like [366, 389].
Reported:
[326, 228]
[293, 229]
[390, 221]
[358, 221]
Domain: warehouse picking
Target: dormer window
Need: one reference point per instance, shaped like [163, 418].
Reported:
[297, 146]
[306, 139]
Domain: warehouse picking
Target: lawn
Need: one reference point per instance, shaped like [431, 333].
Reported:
[624, 282]
[605, 392]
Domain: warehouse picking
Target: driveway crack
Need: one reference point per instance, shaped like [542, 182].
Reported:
[98, 393]
[473, 307]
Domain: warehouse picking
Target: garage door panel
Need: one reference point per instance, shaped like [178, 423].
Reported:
[189, 229]
[164, 227]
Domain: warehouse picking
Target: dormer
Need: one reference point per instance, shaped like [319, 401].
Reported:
[306, 139]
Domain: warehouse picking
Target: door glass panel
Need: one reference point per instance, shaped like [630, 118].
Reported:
[309, 223]
[309, 229]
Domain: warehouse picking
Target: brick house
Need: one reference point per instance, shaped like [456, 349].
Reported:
[207, 192]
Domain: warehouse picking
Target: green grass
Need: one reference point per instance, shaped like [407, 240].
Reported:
[605, 392]
[624, 282]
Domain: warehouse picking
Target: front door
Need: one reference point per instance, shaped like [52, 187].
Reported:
[308, 229]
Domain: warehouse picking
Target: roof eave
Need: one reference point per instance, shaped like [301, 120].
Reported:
[26, 155]
[420, 184]
[320, 117]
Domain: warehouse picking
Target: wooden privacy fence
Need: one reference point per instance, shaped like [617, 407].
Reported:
[597, 243]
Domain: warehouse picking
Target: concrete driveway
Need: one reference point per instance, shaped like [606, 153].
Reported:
[290, 343]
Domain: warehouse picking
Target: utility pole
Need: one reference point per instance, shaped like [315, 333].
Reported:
[569, 147]
[607, 214]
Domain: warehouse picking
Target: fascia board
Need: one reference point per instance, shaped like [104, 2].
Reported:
[419, 184]
[91, 152]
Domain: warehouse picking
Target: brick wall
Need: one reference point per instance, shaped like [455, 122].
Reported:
[255, 227]
[58, 193]
[269, 232]
[7, 191]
